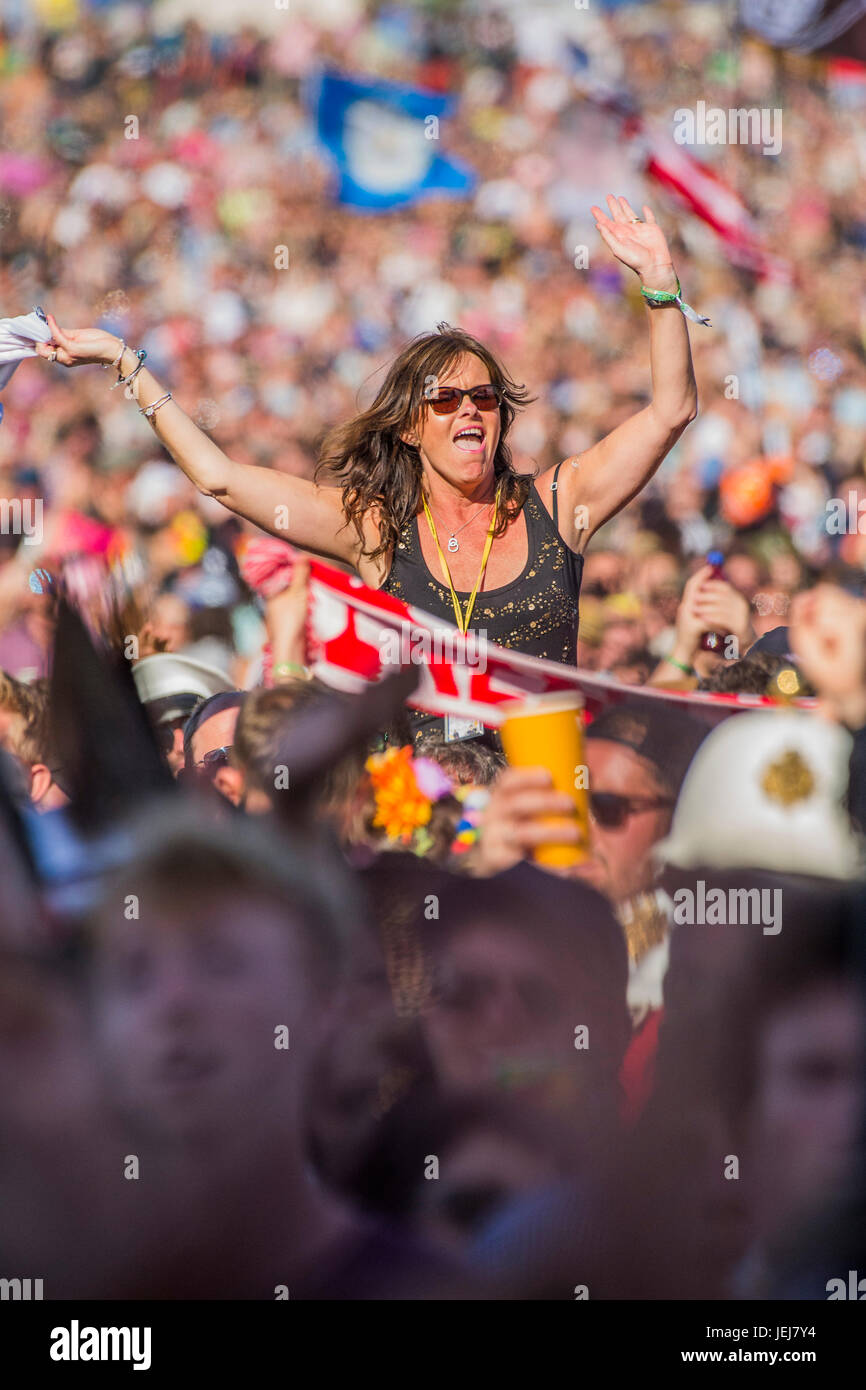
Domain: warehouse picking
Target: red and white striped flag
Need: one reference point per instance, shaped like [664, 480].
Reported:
[356, 635]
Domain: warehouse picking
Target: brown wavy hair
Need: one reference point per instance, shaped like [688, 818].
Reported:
[375, 468]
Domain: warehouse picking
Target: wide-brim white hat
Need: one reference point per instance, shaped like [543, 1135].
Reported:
[765, 791]
[169, 673]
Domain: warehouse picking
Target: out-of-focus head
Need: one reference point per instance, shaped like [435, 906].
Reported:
[827, 632]
[487, 1152]
[759, 672]
[170, 687]
[520, 963]
[25, 734]
[796, 1023]
[636, 760]
[468, 762]
[259, 753]
[621, 634]
[603, 573]
[61, 1212]
[258, 733]
[208, 737]
[744, 571]
[214, 954]
[170, 622]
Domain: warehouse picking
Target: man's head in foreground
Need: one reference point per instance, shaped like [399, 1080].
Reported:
[527, 989]
[213, 956]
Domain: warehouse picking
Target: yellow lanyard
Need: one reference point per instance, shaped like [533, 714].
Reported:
[463, 622]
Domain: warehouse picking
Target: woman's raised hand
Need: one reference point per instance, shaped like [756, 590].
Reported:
[638, 242]
[76, 347]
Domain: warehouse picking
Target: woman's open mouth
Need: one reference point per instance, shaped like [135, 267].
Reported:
[470, 439]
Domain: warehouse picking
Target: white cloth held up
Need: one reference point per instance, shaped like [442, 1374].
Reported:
[16, 335]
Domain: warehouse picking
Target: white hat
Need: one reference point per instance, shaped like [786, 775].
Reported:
[168, 673]
[765, 792]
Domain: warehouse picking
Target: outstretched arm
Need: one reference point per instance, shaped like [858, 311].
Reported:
[294, 509]
[599, 483]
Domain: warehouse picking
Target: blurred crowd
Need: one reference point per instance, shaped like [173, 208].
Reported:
[171, 240]
[297, 1018]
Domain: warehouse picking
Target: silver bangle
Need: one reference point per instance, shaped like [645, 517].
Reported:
[149, 410]
[118, 358]
[141, 354]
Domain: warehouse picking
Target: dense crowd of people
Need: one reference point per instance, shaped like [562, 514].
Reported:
[287, 1009]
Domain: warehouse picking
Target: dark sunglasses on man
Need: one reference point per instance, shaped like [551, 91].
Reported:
[444, 400]
[611, 811]
[207, 768]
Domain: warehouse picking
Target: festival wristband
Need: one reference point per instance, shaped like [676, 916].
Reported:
[680, 665]
[657, 298]
[291, 668]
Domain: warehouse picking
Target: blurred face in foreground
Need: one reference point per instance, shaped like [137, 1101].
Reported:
[807, 1106]
[621, 862]
[503, 1016]
[827, 633]
[60, 1209]
[187, 1006]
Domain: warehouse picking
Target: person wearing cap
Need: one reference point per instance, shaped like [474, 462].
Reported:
[637, 756]
[208, 737]
[170, 686]
[766, 791]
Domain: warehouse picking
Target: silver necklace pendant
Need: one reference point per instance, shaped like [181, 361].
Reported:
[453, 544]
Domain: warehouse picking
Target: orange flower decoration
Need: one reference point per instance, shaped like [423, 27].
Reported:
[401, 807]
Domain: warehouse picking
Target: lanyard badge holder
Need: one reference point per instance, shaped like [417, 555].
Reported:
[456, 727]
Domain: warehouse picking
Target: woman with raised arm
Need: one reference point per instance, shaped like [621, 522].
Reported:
[423, 500]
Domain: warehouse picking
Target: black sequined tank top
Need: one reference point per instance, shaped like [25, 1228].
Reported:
[536, 613]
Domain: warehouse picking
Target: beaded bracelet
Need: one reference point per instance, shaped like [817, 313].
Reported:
[657, 298]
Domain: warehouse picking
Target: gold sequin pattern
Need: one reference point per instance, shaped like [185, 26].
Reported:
[520, 617]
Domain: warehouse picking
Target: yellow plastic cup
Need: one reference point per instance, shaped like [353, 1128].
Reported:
[547, 731]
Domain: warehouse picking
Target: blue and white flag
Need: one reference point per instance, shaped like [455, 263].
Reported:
[384, 140]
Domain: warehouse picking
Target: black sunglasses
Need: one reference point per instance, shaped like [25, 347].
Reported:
[215, 758]
[444, 400]
[611, 811]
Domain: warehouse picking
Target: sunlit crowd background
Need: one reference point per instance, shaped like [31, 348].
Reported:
[171, 239]
[163, 174]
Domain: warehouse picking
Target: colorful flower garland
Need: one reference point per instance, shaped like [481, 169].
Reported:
[405, 790]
